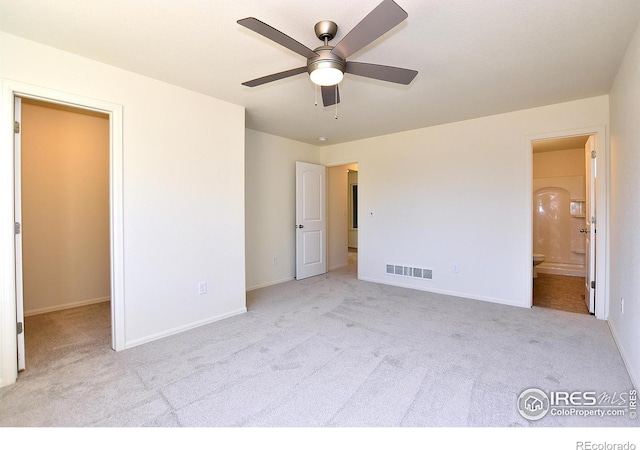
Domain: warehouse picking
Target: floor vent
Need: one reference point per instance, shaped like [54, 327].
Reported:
[413, 272]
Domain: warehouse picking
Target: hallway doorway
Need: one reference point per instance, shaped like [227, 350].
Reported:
[342, 195]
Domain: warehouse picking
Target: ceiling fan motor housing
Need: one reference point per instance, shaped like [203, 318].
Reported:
[325, 30]
[325, 59]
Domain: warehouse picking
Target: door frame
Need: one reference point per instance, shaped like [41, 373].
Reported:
[602, 211]
[590, 237]
[17, 166]
[8, 336]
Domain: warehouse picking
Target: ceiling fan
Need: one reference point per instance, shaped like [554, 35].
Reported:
[326, 65]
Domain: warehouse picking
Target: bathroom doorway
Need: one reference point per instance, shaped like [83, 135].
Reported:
[563, 186]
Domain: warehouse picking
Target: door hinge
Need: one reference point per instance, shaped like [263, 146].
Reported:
[19, 328]
[17, 227]
[593, 154]
[593, 284]
[16, 127]
[593, 220]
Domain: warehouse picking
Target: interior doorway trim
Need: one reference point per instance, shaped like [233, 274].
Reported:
[11, 89]
[603, 209]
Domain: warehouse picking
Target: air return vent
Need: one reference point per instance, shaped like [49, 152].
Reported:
[413, 272]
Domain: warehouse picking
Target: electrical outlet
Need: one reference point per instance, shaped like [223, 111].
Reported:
[455, 268]
[621, 305]
[202, 287]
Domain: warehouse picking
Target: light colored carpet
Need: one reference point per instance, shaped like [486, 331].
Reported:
[322, 352]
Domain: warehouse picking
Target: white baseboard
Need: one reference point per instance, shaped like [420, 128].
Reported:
[270, 283]
[34, 312]
[625, 360]
[181, 329]
[499, 301]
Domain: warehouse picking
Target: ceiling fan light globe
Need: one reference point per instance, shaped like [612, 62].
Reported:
[326, 76]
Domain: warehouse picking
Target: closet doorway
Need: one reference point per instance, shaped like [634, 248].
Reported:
[62, 199]
[11, 302]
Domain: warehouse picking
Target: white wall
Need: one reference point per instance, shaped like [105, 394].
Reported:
[183, 188]
[457, 193]
[270, 206]
[65, 207]
[625, 208]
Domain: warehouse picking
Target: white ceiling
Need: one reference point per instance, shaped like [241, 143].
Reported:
[474, 57]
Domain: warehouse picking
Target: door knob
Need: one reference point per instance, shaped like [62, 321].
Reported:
[584, 230]
[300, 226]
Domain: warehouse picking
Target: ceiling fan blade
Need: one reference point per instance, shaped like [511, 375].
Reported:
[277, 36]
[383, 18]
[384, 73]
[275, 77]
[329, 95]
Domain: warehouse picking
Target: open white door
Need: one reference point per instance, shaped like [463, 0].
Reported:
[18, 232]
[311, 221]
[590, 224]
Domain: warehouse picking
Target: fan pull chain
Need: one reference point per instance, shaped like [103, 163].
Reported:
[315, 89]
[336, 101]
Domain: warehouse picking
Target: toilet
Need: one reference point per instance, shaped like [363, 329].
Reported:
[537, 259]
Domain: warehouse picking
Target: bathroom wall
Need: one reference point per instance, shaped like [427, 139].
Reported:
[559, 163]
[564, 169]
